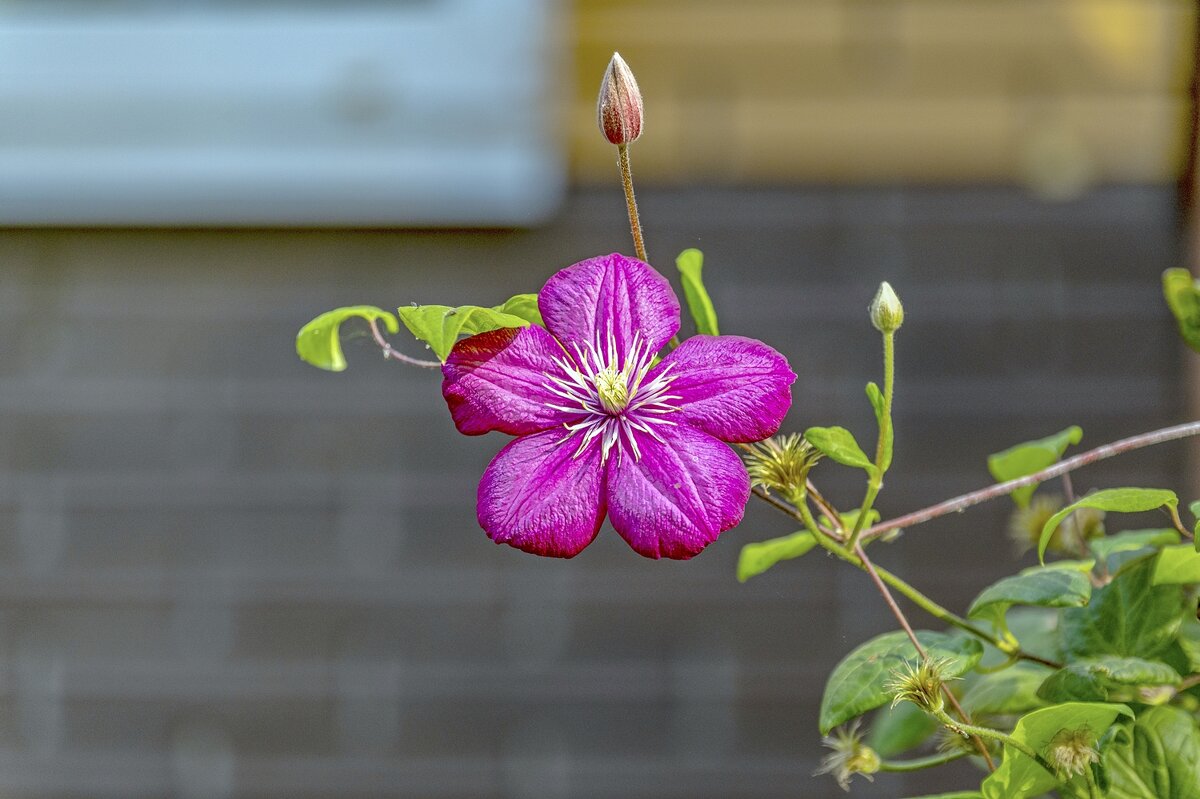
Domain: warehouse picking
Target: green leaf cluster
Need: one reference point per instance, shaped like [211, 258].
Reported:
[1029, 458]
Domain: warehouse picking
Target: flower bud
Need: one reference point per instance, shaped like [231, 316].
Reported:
[887, 314]
[619, 110]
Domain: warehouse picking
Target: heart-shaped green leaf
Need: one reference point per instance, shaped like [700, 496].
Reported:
[1029, 457]
[1060, 585]
[439, 326]
[1177, 565]
[1121, 500]
[857, 683]
[1156, 756]
[318, 343]
[1018, 775]
[1129, 617]
[690, 264]
[756, 558]
[1107, 678]
[1183, 298]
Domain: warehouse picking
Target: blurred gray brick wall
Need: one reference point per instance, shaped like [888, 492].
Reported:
[226, 574]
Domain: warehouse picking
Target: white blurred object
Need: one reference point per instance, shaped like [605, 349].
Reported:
[438, 112]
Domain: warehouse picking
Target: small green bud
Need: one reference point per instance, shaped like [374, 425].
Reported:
[887, 314]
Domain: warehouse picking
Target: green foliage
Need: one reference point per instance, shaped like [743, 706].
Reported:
[1018, 776]
[1105, 679]
[875, 397]
[439, 326]
[1155, 757]
[857, 683]
[837, 443]
[954, 795]
[1009, 692]
[1183, 298]
[1105, 547]
[318, 343]
[1030, 457]
[1129, 617]
[1122, 500]
[1189, 642]
[690, 264]
[1059, 585]
[898, 729]
[756, 558]
[1177, 565]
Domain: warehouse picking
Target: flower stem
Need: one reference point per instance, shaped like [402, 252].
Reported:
[395, 355]
[995, 735]
[918, 763]
[875, 481]
[635, 223]
[965, 501]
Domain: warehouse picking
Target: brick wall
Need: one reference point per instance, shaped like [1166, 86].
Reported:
[223, 573]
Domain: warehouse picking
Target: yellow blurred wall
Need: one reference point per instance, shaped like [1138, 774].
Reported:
[1059, 94]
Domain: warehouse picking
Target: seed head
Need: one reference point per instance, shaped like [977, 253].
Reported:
[1071, 752]
[619, 110]
[1025, 525]
[920, 684]
[782, 463]
[850, 756]
[887, 314]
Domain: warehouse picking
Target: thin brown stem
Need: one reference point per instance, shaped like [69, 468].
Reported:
[389, 352]
[965, 501]
[635, 222]
[912, 636]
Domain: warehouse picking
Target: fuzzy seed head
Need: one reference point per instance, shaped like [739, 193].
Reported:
[849, 756]
[887, 314]
[1071, 752]
[921, 684]
[782, 463]
[619, 110]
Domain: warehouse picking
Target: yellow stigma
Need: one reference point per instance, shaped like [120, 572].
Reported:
[613, 389]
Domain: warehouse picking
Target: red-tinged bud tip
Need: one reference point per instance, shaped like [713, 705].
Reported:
[619, 111]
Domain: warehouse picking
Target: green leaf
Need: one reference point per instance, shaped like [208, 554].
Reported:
[1183, 298]
[1059, 585]
[875, 397]
[756, 558]
[1177, 565]
[439, 326]
[856, 684]
[1155, 757]
[1121, 500]
[838, 443]
[1189, 642]
[1131, 541]
[691, 263]
[1129, 617]
[1105, 679]
[1029, 457]
[898, 729]
[523, 306]
[1018, 776]
[317, 342]
[1008, 692]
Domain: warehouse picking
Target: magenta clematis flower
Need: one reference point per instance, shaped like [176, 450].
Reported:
[603, 429]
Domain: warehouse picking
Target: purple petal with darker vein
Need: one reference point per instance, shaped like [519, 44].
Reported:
[497, 381]
[735, 388]
[582, 302]
[538, 497]
[679, 496]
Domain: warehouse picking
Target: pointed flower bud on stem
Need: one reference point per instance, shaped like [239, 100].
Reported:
[887, 314]
[619, 110]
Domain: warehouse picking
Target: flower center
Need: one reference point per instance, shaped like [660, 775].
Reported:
[614, 401]
[612, 389]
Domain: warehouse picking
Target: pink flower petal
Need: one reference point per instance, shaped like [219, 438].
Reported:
[538, 497]
[498, 381]
[582, 302]
[734, 388]
[679, 496]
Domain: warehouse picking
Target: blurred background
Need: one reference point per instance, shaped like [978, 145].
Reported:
[226, 574]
